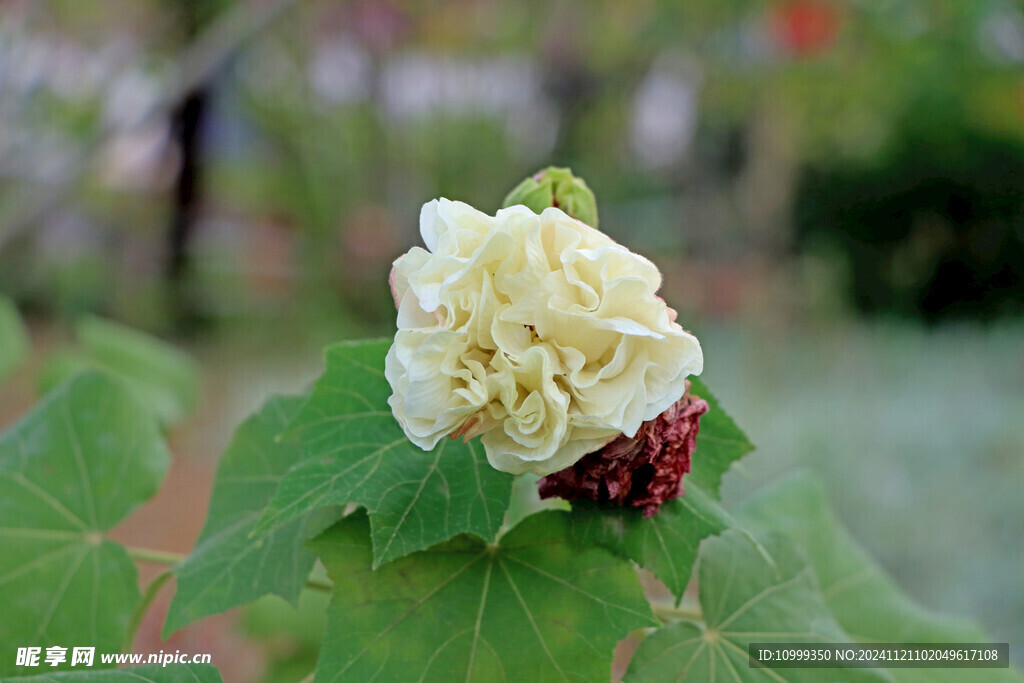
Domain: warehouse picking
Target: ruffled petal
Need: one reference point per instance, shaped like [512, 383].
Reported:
[538, 332]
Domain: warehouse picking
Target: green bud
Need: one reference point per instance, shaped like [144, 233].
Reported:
[556, 187]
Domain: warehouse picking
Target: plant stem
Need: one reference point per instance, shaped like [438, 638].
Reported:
[155, 556]
[319, 585]
[143, 607]
[671, 612]
[164, 557]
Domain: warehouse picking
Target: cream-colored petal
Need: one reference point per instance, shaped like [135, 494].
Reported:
[538, 332]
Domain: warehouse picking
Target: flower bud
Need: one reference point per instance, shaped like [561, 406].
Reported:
[556, 187]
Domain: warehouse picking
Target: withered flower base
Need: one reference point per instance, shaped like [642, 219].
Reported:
[641, 471]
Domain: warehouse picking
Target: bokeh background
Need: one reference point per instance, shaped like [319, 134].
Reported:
[833, 190]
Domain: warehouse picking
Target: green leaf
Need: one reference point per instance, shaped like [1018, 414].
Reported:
[532, 608]
[60, 366]
[69, 471]
[720, 443]
[163, 377]
[666, 543]
[172, 673]
[289, 636]
[358, 454]
[14, 342]
[744, 599]
[864, 600]
[229, 566]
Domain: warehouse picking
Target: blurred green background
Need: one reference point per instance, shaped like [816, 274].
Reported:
[833, 190]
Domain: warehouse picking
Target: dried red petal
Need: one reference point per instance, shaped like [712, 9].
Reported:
[641, 471]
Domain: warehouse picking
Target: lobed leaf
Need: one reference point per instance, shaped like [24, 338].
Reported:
[666, 543]
[531, 608]
[230, 565]
[163, 377]
[72, 469]
[359, 454]
[720, 443]
[744, 598]
[864, 600]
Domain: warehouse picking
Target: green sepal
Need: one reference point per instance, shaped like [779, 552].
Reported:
[556, 187]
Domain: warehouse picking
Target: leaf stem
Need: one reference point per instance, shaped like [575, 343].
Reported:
[154, 556]
[319, 585]
[165, 557]
[143, 607]
[672, 613]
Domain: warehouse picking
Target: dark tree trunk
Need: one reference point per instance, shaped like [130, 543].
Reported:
[186, 126]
